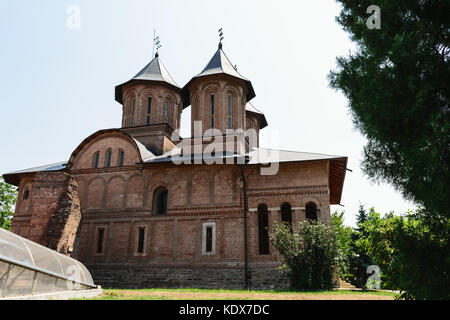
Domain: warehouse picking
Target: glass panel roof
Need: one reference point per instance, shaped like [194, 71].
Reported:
[18, 250]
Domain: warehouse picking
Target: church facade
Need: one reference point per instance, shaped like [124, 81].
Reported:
[141, 206]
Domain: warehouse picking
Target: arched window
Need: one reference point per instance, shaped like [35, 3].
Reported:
[121, 156]
[149, 110]
[286, 213]
[166, 111]
[160, 201]
[26, 194]
[311, 211]
[229, 112]
[133, 106]
[95, 162]
[263, 232]
[108, 158]
[212, 111]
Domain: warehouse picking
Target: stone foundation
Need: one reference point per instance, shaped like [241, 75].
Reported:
[174, 277]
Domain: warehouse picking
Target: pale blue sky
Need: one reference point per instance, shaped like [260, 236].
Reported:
[57, 84]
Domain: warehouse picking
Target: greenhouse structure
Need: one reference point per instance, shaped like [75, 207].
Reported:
[30, 270]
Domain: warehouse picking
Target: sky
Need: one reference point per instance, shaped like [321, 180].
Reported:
[57, 77]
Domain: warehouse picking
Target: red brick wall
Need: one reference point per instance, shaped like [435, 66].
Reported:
[120, 199]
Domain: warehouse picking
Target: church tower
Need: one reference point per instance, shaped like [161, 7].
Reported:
[152, 105]
[218, 96]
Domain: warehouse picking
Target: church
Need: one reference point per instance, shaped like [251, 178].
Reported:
[140, 206]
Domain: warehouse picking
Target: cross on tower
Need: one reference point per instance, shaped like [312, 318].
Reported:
[156, 43]
[220, 37]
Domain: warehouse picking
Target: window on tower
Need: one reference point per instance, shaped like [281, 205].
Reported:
[166, 110]
[212, 111]
[229, 111]
[149, 109]
[133, 106]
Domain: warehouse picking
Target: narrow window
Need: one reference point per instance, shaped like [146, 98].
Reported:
[121, 155]
[166, 107]
[141, 238]
[212, 111]
[311, 211]
[209, 232]
[229, 111]
[108, 158]
[132, 112]
[96, 156]
[209, 238]
[286, 214]
[263, 232]
[26, 194]
[100, 237]
[149, 109]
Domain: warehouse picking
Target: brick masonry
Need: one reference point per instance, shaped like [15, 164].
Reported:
[119, 200]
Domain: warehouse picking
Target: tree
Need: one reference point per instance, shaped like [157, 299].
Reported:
[397, 86]
[413, 258]
[343, 237]
[359, 261]
[8, 194]
[309, 252]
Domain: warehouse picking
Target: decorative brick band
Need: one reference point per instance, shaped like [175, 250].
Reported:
[324, 186]
[275, 194]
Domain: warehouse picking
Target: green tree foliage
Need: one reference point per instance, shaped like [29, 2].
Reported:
[358, 259]
[413, 257]
[309, 252]
[397, 86]
[8, 194]
[343, 236]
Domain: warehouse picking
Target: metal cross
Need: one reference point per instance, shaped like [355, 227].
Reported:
[156, 42]
[220, 34]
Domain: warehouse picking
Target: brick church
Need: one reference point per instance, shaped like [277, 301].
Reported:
[141, 206]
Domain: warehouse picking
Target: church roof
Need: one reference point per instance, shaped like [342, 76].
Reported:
[258, 156]
[153, 71]
[219, 64]
[49, 167]
[251, 108]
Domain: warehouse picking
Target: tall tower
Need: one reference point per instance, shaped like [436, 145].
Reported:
[218, 96]
[152, 105]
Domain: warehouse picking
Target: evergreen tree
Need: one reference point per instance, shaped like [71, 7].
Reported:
[359, 261]
[397, 84]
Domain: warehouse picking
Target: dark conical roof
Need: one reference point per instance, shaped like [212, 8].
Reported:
[153, 71]
[219, 64]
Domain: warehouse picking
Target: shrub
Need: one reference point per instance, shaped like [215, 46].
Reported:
[309, 253]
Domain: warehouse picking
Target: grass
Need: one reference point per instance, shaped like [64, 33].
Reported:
[213, 294]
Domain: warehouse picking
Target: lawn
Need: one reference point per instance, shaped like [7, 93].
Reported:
[206, 294]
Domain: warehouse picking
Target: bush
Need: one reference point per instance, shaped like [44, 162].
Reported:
[309, 252]
[412, 252]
